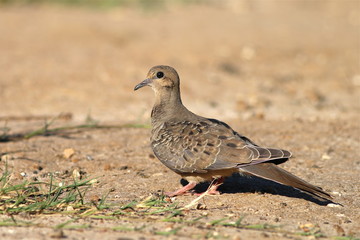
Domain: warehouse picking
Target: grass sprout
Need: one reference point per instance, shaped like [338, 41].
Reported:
[68, 199]
[40, 197]
[48, 129]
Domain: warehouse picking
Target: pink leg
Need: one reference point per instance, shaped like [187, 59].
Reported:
[182, 190]
[213, 187]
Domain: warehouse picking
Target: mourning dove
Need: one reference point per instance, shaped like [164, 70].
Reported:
[201, 149]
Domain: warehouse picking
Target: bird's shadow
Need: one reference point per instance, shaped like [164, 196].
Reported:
[244, 184]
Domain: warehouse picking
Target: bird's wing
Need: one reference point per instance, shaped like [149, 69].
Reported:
[206, 145]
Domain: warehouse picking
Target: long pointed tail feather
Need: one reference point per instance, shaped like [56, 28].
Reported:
[271, 172]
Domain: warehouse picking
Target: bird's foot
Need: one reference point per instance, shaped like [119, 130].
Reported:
[182, 191]
[212, 190]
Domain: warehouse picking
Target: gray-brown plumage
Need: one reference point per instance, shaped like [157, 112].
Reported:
[202, 149]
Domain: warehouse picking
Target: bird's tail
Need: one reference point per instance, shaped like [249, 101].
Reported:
[271, 172]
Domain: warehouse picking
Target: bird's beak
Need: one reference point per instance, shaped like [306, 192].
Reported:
[146, 82]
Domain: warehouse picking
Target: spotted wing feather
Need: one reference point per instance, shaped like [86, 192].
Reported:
[202, 146]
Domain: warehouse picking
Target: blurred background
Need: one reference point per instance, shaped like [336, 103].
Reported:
[237, 59]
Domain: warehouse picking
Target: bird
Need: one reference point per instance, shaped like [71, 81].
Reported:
[202, 149]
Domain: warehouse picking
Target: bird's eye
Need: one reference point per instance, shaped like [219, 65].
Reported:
[159, 74]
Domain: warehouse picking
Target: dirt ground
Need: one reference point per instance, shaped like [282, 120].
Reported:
[284, 73]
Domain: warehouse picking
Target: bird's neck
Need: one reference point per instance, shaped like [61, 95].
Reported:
[167, 107]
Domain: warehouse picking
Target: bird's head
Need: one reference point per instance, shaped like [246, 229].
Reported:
[160, 78]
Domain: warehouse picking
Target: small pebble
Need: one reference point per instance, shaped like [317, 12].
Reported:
[76, 174]
[68, 153]
[69, 208]
[58, 233]
[5, 157]
[306, 227]
[201, 206]
[336, 193]
[93, 181]
[95, 198]
[333, 205]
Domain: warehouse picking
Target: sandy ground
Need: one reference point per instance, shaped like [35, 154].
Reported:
[284, 73]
